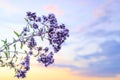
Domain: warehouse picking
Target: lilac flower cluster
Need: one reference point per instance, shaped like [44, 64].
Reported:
[50, 30]
[21, 73]
[57, 34]
[46, 59]
[33, 17]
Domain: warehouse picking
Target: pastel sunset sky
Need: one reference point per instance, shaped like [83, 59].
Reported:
[92, 52]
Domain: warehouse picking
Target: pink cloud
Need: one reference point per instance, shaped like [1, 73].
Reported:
[100, 10]
[54, 9]
[8, 7]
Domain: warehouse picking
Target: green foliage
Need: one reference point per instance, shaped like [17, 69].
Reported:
[26, 19]
[14, 46]
[16, 34]
[6, 54]
[21, 45]
[25, 51]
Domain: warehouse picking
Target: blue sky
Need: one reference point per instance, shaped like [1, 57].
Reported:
[93, 48]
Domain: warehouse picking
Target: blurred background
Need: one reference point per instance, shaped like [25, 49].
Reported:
[92, 52]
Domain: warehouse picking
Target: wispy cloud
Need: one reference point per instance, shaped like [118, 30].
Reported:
[108, 67]
[105, 15]
[93, 48]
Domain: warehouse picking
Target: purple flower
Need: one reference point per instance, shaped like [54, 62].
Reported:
[30, 52]
[26, 65]
[35, 26]
[44, 18]
[25, 34]
[31, 16]
[27, 68]
[25, 29]
[32, 43]
[41, 58]
[40, 32]
[28, 13]
[21, 74]
[51, 16]
[51, 30]
[50, 55]
[52, 20]
[62, 26]
[46, 49]
[38, 19]
[46, 59]
[50, 62]
[39, 48]
[26, 62]
[57, 48]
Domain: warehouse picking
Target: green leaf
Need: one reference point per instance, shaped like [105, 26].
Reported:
[13, 58]
[41, 38]
[2, 66]
[25, 51]
[14, 46]
[4, 41]
[16, 33]
[1, 61]
[6, 47]
[31, 25]
[21, 33]
[21, 45]
[26, 19]
[11, 64]
[0, 57]
[6, 54]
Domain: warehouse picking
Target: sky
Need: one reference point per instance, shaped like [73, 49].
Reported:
[92, 52]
